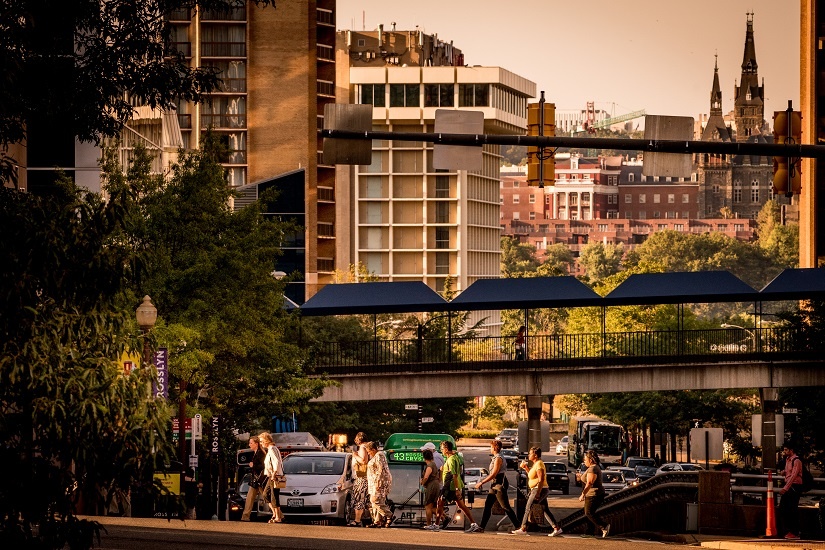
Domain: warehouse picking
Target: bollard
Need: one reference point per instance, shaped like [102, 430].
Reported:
[770, 526]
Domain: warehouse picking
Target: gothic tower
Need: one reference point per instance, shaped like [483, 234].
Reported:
[749, 96]
[714, 169]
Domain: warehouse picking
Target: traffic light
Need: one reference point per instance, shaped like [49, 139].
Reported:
[541, 166]
[787, 174]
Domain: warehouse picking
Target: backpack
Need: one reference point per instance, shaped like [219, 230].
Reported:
[807, 478]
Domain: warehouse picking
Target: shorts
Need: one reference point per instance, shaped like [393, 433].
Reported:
[432, 492]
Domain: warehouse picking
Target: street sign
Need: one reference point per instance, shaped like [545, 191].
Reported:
[411, 407]
[667, 128]
[193, 461]
[787, 410]
[197, 427]
[427, 419]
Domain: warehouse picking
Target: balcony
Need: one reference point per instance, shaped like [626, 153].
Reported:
[325, 88]
[326, 194]
[325, 265]
[326, 229]
[325, 53]
[232, 85]
[223, 121]
[223, 49]
[232, 14]
[325, 17]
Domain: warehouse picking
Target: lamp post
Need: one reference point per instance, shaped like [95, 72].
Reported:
[146, 315]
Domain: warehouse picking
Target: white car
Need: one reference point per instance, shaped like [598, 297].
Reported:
[629, 474]
[318, 486]
[678, 467]
[613, 481]
[473, 476]
[561, 447]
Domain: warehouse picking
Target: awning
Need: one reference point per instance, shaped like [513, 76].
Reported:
[699, 287]
[525, 293]
[796, 284]
[386, 297]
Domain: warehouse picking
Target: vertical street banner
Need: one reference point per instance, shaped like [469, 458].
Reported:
[160, 387]
[215, 443]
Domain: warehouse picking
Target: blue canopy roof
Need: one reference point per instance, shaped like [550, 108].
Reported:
[525, 293]
[387, 297]
[681, 288]
[795, 284]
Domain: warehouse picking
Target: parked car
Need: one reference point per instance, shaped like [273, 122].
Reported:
[236, 500]
[511, 458]
[318, 486]
[561, 446]
[645, 468]
[630, 475]
[508, 438]
[473, 476]
[613, 481]
[290, 442]
[678, 467]
[557, 479]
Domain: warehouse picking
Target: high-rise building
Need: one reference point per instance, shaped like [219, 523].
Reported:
[407, 220]
[278, 71]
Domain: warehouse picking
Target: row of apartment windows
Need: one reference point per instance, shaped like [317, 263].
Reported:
[657, 198]
[435, 95]
[605, 228]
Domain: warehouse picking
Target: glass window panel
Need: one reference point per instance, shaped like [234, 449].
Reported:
[482, 95]
[446, 93]
[413, 99]
[431, 95]
[396, 95]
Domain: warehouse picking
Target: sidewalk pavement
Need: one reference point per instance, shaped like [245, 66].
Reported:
[731, 543]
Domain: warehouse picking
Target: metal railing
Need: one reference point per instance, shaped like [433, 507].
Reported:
[223, 49]
[568, 350]
[223, 121]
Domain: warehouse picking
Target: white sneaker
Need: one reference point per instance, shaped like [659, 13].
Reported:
[433, 527]
[475, 528]
[518, 532]
[606, 531]
[556, 532]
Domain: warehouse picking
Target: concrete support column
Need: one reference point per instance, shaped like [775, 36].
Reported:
[533, 423]
[768, 397]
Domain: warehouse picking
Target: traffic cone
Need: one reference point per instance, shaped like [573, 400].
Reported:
[770, 527]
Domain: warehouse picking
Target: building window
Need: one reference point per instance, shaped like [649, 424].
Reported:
[661, 227]
[532, 215]
[722, 227]
[516, 215]
[603, 227]
[501, 199]
[686, 214]
[671, 198]
[404, 95]
[372, 94]
[442, 263]
[685, 198]
[679, 227]
[532, 199]
[613, 199]
[442, 212]
[738, 227]
[642, 215]
[628, 198]
[642, 198]
[473, 95]
[515, 199]
[657, 198]
[438, 95]
[515, 184]
[631, 178]
[442, 187]
[737, 194]
[657, 214]
[442, 237]
[715, 188]
[547, 199]
[754, 191]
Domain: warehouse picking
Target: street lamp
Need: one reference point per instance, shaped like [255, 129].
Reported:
[146, 315]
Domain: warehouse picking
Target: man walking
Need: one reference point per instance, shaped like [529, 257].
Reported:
[790, 493]
[453, 484]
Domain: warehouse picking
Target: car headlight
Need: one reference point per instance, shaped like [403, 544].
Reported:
[330, 489]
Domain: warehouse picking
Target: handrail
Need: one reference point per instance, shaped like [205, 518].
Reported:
[562, 350]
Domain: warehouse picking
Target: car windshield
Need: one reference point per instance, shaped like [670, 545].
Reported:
[612, 477]
[509, 433]
[555, 467]
[691, 467]
[295, 438]
[300, 463]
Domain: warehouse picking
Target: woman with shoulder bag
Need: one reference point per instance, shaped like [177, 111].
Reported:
[359, 488]
[257, 465]
[498, 490]
[276, 480]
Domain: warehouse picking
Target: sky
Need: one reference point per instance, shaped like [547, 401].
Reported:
[624, 55]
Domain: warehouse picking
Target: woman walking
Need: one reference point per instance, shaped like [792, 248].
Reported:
[593, 492]
[273, 467]
[537, 482]
[360, 497]
[431, 481]
[379, 482]
[257, 465]
[499, 486]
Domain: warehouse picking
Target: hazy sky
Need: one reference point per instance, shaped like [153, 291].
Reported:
[625, 55]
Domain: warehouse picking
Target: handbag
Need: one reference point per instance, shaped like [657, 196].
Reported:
[257, 481]
[279, 481]
[360, 469]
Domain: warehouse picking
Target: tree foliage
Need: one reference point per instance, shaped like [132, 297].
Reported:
[68, 414]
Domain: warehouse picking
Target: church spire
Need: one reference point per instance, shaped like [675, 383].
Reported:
[749, 59]
[716, 91]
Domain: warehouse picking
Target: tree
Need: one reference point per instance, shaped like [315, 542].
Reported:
[209, 272]
[517, 259]
[780, 242]
[74, 66]
[68, 414]
[599, 260]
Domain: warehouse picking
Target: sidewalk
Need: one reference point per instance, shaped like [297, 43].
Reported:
[729, 543]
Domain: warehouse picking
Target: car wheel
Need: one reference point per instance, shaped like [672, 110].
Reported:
[349, 512]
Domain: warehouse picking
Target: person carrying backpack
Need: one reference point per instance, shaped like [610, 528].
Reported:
[790, 493]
